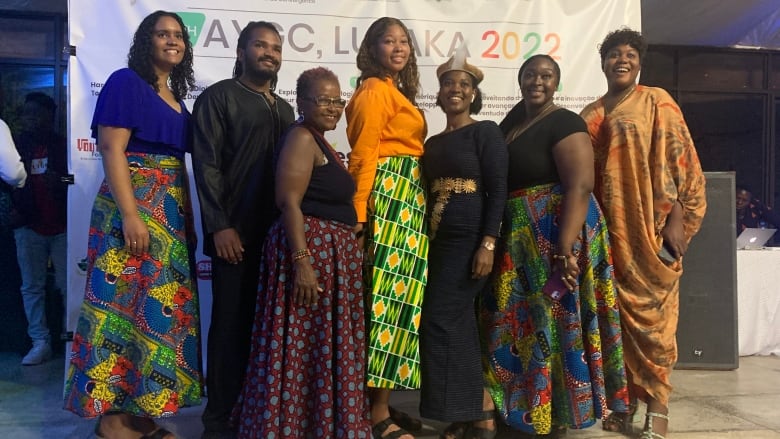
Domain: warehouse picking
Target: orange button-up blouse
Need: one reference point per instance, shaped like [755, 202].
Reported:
[381, 122]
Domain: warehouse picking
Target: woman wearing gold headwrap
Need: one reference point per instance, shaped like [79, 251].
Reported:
[465, 166]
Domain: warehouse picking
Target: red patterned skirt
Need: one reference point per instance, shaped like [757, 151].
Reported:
[306, 368]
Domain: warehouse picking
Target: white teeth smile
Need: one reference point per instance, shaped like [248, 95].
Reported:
[621, 70]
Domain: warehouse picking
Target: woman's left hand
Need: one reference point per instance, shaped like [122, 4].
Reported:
[673, 232]
[566, 267]
[482, 263]
[305, 287]
[674, 238]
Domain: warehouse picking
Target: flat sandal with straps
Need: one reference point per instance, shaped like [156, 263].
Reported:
[474, 432]
[648, 432]
[620, 422]
[379, 428]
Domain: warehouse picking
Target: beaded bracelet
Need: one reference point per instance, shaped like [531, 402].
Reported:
[300, 254]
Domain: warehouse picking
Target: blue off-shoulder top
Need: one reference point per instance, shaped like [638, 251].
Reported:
[127, 101]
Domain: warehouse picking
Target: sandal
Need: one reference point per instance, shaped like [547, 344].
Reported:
[475, 432]
[648, 432]
[379, 428]
[456, 430]
[618, 422]
[403, 420]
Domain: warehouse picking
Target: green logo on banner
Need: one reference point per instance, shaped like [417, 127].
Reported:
[194, 23]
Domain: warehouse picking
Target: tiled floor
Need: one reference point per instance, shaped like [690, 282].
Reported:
[744, 403]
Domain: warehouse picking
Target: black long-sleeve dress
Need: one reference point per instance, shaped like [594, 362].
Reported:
[466, 174]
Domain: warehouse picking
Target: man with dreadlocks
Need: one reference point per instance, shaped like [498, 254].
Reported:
[237, 124]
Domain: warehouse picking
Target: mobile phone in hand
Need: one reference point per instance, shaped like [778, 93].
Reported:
[666, 255]
[554, 287]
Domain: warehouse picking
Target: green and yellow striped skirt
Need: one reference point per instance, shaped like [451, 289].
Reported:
[397, 257]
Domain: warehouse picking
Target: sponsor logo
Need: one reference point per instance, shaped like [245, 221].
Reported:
[87, 149]
[203, 269]
[193, 21]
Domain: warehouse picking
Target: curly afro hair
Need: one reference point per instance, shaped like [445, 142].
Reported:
[622, 36]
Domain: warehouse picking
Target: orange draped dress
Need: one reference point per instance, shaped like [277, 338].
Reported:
[645, 162]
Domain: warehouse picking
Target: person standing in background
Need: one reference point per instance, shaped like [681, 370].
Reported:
[752, 213]
[651, 187]
[12, 176]
[39, 216]
[12, 170]
[136, 350]
[237, 124]
[386, 131]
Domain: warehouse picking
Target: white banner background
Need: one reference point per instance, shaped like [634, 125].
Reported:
[499, 35]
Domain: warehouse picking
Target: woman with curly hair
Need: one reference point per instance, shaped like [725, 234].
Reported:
[386, 130]
[136, 349]
[651, 187]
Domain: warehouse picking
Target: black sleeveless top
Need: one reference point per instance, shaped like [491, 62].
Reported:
[331, 188]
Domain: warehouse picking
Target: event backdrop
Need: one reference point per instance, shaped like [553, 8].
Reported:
[498, 35]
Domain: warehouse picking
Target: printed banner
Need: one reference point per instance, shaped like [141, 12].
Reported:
[498, 35]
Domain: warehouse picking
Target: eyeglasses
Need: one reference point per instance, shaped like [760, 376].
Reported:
[323, 101]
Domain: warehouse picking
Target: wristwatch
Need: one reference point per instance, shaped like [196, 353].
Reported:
[489, 246]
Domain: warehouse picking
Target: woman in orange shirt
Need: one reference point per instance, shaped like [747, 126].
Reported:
[386, 131]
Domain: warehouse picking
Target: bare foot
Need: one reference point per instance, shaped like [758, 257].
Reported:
[116, 426]
[146, 426]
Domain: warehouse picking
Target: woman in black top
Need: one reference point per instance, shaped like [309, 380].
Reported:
[306, 369]
[550, 321]
[465, 168]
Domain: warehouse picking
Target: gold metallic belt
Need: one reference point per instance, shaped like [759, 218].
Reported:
[457, 185]
[444, 187]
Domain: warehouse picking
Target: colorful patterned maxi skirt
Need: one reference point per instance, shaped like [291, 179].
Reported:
[396, 273]
[306, 372]
[137, 347]
[551, 363]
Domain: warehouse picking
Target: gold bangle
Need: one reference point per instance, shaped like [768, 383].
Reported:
[301, 254]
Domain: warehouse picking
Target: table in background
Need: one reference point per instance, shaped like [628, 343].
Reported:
[758, 301]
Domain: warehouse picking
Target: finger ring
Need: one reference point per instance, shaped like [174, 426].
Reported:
[569, 277]
[563, 278]
[135, 242]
